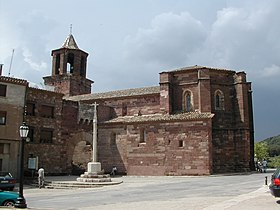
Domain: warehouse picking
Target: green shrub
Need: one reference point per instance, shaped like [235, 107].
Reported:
[274, 162]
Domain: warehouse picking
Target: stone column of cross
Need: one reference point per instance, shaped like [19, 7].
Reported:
[94, 133]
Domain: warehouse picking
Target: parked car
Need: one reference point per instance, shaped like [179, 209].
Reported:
[7, 181]
[275, 183]
[8, 198]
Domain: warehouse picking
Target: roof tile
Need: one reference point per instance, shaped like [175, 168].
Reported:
[161, 117]
[196, 67]
[13, 80]
[116, 94]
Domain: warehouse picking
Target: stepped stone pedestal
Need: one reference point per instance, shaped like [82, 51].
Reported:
[94, 174]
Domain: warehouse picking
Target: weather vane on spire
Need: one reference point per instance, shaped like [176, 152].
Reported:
[71, 28]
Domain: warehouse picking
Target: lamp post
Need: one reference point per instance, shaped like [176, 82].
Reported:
[23, 132]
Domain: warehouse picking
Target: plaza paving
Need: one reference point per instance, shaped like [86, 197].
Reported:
[257, 199]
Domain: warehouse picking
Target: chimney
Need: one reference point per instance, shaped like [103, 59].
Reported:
[1, 67]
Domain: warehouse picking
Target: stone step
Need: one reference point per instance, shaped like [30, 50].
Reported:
[76, 184]
[69, 185]
[90, 180]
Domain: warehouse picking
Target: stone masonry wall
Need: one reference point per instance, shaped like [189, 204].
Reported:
[180, 83]
[174, 148]
[231, 129]
[69, 84]
[128, 106]
[51, 156]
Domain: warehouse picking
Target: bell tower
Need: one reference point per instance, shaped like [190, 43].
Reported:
[69, 65]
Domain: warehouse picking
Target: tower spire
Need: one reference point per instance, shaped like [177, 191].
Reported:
[70, 42]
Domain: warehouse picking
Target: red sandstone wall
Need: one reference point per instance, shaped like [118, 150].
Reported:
[134, 105]
[160, 154]
[231, 126]
[52, 156]
[68, 84]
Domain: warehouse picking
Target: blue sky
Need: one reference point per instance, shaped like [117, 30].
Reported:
[130, 42]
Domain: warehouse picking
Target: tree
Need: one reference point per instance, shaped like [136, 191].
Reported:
[261, 150]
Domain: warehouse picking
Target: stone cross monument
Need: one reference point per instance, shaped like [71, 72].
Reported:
[94, 166]
[94, 172]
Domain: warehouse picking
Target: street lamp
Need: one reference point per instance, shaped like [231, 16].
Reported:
[23, 132]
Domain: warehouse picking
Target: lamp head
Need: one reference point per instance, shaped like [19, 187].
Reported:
[23, 130]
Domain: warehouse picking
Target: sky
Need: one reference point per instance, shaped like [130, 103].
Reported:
[131, 42]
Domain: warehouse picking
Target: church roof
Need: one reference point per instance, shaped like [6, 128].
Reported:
[70, 43]
[161, 117]
[116, 94]
[196, 67]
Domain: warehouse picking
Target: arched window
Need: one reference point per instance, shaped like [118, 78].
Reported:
[70, 63]
[83, 66]
[187, 101]
[219, 100]
[57, 64]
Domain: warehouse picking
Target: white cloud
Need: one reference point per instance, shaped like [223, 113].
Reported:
[169, 40]
[240, 38]
[41, 66]
[243, 38]
[272, 71]
[30, 37]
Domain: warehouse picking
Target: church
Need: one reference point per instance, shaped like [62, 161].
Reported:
[197, 121]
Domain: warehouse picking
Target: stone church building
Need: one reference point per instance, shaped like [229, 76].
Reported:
[197, 121]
